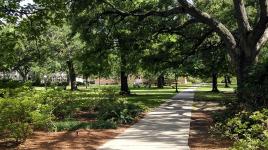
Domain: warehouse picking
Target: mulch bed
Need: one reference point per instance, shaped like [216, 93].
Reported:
[200, 138]
[80, 139]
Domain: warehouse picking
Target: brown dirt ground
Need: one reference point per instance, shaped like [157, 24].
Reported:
[200, 138]
[81, 139]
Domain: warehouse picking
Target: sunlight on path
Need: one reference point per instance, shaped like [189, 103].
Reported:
[165, 128]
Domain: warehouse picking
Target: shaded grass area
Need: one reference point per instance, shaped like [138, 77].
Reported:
[150, 98]
[153, 97]
[204, 93]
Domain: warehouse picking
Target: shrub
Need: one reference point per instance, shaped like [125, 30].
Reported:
[72, 125]
[66, 103]
[13, 84]
[119, 110]
[248, 129]
[19, 116]
[69, 125]
[104, 124]
[256, 89]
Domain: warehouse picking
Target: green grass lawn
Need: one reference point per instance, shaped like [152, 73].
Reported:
[151, 97]
[203, 93]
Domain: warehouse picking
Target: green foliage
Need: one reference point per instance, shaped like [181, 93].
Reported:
[23, 110]
[104, 124]
[20, 115]
[247, 144]
[13, 84]
[119, 110]
[66, 103]
[248, 129]
[256, 89]
[71, 125]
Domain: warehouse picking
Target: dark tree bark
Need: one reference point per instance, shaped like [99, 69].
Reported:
[72, 75]
[161, 81]
[215, 82]
[23, 71]
[226, 81]
[242, 75]
[124, 78]
[86, 81]
[229, 80]
[24, 77]
[124, 84]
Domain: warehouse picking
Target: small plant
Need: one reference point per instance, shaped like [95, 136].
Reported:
[104, 124]
[248, 129]
[69, 125]
[119, 110]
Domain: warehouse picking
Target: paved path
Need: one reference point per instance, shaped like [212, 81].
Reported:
[165, 128]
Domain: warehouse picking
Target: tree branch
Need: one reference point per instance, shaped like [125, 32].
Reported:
[242, 18]
[205, 18]
[176, 30]
[259, 35]
[141, 15]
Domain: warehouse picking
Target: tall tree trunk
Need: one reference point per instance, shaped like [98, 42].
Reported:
[24, 77]
[124, 84]
[226, 81]
[124, 78]
[229, 80]
[243, 68]
[23, 71]
[86, 81]
[72, 75]
[161, 81]
[214, 82]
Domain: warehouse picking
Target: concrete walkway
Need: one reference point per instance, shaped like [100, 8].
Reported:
[165, 128]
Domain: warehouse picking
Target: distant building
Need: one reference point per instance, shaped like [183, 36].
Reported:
[14, 75]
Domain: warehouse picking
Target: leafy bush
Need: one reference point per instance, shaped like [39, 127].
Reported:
[66, 103]
[23, 110]
[104, 124]
[69, 125]
[119, 110]
[72, 125]
[250, 144]
[19, 116]
[13, 84]
[248, 129]
[256, 89]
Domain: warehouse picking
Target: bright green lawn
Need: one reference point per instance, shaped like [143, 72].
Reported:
[151, 97]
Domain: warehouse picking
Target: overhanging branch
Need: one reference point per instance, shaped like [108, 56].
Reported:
[217, 26]
[259, 35]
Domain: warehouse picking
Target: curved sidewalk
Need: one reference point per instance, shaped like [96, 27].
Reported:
[165, 128]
